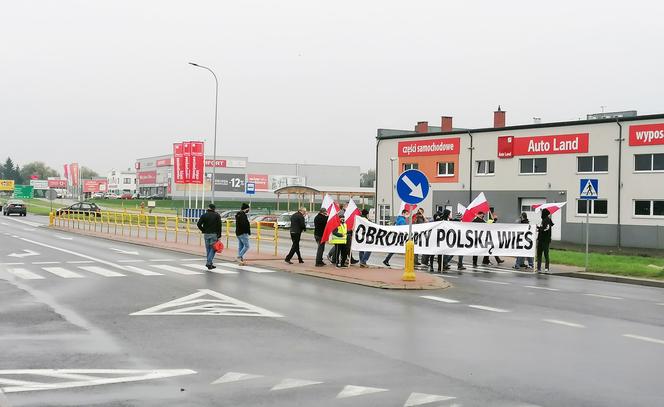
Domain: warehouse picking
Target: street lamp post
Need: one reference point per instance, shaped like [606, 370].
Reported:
[214, 156]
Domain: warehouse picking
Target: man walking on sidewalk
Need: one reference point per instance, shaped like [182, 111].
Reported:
[320, 221]
[210, 225]
[242, 231]
[297, 226]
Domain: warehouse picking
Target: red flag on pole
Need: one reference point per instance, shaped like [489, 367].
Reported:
[351, 212]
[332, 223]
[178, 163]
[479, 204]
[186, 152]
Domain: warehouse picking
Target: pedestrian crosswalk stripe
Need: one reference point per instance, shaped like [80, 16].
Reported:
[247, 268]
[101, 271]
[217, 270]
[352, 391]
[141, 271]
[235, 377]
[293, 383]
[174, 269]
[25, 274]
[61, 272]
[417, 399]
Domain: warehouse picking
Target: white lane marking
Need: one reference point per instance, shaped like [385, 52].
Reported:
[130, 261]
[80, 262]
[485, 308]
[27, 222]
[4, 224]
[235, 377]
[660, 303]
[25, 274]
[134, 252]
[293, 383]
[417, 399]
[14, 236]
[173, 269]
[85, 256]
[64, 273]
[141, 271]
[63, 237]
[495, 282]
[208, 302]
[644, 338]
[161, 260]
[541, 288]
[449, 276]
[247, 268]
[46, 262]
[11, 264]
[101, 271]
[610, 297]
[217, 270]
[565, 323]
[29, 229]
[83, 374]
[352, 391]
[193, 259]
[440, 299]
[27, 253]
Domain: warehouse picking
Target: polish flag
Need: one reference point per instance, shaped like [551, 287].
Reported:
[409, 207]
[479, 204]
[351, 212]
[327, 202]
[461, 209]
[553, 207]
[332, 223]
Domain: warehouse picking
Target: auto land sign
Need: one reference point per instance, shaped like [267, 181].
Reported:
[6, 184]
[441, 146]
[509, 146]
[646, 134]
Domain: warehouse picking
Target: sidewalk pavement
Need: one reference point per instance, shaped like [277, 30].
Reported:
[378, 277]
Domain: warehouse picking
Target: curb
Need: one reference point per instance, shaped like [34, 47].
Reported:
[613, 279]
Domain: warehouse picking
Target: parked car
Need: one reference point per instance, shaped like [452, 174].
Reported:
[265, 220]
[126, 196]
[86, 208]
[111, 196]
[15, 206]
[98, 195]
[283, 221]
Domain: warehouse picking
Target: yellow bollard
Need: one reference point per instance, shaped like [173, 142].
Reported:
[258, 237]
[177, 227]
[276, 238]
[409, 265]
[51, 218]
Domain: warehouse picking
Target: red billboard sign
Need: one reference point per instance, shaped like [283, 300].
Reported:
[197, 159]
[219, 163]
[163, 162]
[57, 183]
[542, 145]
[260, 180]
[646, 134]
[178, 166]
[73, 167]
[147, 177]
[186, 154]
[95, 185]
[441, 146]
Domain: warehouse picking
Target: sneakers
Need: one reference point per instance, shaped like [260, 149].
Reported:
[386, 263]
[363, 265]
[546, 271]
[460, 268]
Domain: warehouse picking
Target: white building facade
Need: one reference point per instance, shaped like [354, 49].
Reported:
[121, 182]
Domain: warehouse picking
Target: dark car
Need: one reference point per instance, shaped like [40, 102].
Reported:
[14, 206]
[86, 208]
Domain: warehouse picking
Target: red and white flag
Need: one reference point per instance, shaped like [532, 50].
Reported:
[409, 207]
[327, 202]
[332, 223]
[479, 204]
[351, 212]
[553, 207]
[461, 209]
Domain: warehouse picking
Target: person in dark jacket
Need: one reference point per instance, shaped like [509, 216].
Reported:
[364, 256]
[417, 219]
[210, 225]
[443, 261]
[498, 259]
[297, 226]
[544, 240]
[242, 231]
[460, 267]
[520, 260]
[320, 221]
[479, 218]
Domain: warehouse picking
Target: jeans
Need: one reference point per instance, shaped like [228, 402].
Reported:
[340, 254]
[320, 250]
[364, 257]
[521, 260]
[295, 248]
[243, 245]
[210, 239]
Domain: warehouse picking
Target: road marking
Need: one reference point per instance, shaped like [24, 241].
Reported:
[135, 253]
[610, 297]
[352, 391]
[29, 229]
[247, 268]
[293, 383]
[27, 253]
[141, 271]
[25, 274]
[64, 273]
[217, 270]
[565, 323]
[485, 308]
[85, 256]
[80, 262]
[449, 276]
[130, 261]
[161, 260]
[417, 399]
[644, 338]
[82, 377]
[174, 269]
[541, 288]
[63, 237]
[660, 303]
[4, 224]
[46, 262]
[235, 377]
[495, 282]
[208, 302]
[440, 299]
[11, 264]
[101, 271]
[193, 259]
[27, 222]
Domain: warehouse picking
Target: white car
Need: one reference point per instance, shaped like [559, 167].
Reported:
[112, 196]
[98, 195]
[283, 221]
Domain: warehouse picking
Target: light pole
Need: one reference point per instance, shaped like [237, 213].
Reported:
[214, 156]
[392, 160]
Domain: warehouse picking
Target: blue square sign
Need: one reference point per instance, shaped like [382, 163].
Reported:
[250, 188]
[588, 188]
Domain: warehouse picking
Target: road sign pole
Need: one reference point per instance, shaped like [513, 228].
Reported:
[587, 230]
[409, 258]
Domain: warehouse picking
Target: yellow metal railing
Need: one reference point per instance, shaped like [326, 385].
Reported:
[270, 227]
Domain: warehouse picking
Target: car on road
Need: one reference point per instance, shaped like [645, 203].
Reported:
[127, 196]
[98, 195]
[15, 206]
[111, 196]
[85, 208]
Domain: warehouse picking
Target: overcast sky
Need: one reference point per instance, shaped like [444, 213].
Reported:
[105, 82]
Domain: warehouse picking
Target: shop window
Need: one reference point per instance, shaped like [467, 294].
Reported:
[411, 166]
[532, 166]
[598, 163]
[596, 206]
[485, 167]
[648, 162]
[648, 208]
[445, 169]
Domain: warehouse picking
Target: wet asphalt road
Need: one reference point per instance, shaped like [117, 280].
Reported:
[496, 338]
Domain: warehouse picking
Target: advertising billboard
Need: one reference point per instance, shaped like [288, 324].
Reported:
[260, 180]
[229, 182]
[6, 184]
[95, 185]
[40, 184]
[441, 146]
[197, 159]
[646, 134]
[186, 157]
[280, 181]
[147, 177]
[73, 167]
[178, 163]
[542, 145]
[57, 183]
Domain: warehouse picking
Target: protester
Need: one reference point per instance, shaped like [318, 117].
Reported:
[338, 239]
[210, 225]
[297, 226]
[417, 219]
[242, 231]
[319, 228]
[544, 240]
[400, 220]
[437, 217]
[498, 259]
[364, 256]
[457, 218]
[331, 253]
[520, 260]
[479, 218]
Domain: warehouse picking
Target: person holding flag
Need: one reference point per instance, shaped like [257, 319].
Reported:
[351, 212]
[320, 221]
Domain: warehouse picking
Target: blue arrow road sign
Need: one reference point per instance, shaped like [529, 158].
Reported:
[250, 188]
[412, 186]
[588, 188]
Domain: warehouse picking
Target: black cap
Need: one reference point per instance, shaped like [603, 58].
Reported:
[244, 206]
[212, 207]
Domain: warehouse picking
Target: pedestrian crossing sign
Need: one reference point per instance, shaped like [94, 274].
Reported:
[588, 188]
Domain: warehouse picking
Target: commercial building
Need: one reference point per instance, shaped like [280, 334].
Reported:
[121, 182]
[520, 166]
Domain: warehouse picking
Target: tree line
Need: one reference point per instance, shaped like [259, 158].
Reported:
[22, 174]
